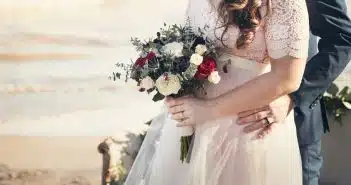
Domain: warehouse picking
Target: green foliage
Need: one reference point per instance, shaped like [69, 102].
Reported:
[123, 173]
[157, 59]
[338, 102]
[117, 75]
[157, 97]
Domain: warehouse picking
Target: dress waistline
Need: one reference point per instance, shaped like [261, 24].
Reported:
[239, 62]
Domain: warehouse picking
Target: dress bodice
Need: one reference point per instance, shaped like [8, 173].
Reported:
[282, 32]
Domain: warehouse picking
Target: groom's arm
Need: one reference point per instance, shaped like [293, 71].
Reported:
[330, 22]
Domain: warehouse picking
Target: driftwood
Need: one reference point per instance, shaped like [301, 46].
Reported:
[110, 169]
[117, 160]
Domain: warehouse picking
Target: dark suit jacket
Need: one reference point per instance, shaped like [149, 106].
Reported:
[330, 22]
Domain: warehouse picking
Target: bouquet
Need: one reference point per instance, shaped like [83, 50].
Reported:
[176, 63]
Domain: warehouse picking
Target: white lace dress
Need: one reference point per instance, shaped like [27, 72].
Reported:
[222, 153]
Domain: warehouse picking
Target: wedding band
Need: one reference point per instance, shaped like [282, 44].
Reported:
[267, 122]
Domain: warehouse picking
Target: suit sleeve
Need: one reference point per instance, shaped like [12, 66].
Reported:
[329, 21]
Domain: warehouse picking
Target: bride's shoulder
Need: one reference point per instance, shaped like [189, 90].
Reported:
[283, 3]
[285, 9]
[287, 28]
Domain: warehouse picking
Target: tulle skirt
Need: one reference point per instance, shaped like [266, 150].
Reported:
[222, 153]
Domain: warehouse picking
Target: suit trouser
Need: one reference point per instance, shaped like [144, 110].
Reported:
[311, 162]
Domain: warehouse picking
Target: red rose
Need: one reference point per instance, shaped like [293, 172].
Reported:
[206, 68]
[150, 55]
[140, 62]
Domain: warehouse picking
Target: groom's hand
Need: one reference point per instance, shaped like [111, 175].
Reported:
[264, 118]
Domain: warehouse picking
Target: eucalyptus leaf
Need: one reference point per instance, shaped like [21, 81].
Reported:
[339, 120]
[157, 97]
[149, 122]
[150, 90]
[348, 97]
[338, 103]
[338, 111]
[144, 73]
[118, 75]
[344, 92]
[347, 104]
[333, 89]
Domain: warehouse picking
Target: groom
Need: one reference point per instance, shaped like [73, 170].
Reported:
[328, 57]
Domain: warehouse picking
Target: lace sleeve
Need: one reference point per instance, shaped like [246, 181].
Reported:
[287, 29]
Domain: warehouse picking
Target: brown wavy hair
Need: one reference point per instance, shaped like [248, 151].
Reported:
[243, 14]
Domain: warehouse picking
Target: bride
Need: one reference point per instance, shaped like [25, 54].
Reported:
[266, 42]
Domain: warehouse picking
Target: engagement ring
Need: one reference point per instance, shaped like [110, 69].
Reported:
[267, 122]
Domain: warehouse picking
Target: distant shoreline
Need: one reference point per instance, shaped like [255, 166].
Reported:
[17, 57]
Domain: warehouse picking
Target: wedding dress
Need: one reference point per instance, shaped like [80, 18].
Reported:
[222, 154]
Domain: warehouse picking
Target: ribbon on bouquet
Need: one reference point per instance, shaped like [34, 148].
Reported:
[186, 140]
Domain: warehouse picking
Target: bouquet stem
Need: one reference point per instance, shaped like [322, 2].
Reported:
[185, 148]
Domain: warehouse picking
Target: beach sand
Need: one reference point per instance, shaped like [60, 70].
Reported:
[50, 160]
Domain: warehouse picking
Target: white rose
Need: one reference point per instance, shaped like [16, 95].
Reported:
[214, 77]
[200, 49]
[196, 59]
[147, 83]
[168, 84]
[174, 48]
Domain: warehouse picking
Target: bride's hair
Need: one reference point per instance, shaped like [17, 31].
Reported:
[243, 14]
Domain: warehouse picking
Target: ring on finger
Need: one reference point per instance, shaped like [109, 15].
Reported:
[267, 121]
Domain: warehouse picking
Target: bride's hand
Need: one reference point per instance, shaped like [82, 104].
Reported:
[189, 110]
